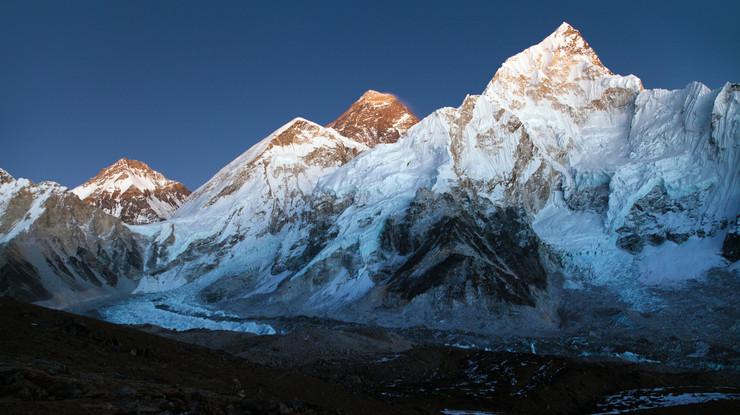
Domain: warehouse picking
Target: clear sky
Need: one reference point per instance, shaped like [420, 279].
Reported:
[187, 86]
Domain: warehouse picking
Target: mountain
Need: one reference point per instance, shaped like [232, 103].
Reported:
[134, 192]
[561, 176]
[255, 197]
[375, 118]
[563, 198]
[58, 250]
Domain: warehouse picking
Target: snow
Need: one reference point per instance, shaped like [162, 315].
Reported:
[123, 176]
[643, 399]
[119, 182]
[39, 194]
[146, 312]
[271, 178]
[552, 124]
[160, 283]
[634, 357]
[672, 263]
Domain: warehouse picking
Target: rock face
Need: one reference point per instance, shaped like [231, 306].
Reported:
[56, 249]
[731, 244]
[459, 249]
[374, 119]
[134, 192]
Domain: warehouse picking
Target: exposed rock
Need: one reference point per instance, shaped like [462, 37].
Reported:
[374, 119]
[5, 177]
[731, 244]
[134, 192]
[464, 247]
[656, 217]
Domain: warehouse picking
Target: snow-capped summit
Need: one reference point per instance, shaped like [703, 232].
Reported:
[561, 71]
[134, 192]
[563, 55]
[375, 118]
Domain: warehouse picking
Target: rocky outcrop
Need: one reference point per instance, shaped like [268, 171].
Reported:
[731, 243]
[656, 217]
[133, 192]
[375, 118]
[462, 248]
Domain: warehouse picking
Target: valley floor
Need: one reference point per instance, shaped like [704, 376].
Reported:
[56, 362]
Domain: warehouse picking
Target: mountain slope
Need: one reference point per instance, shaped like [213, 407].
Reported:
[375, 118]
[256, 196]
[134, 192]
[56, 249]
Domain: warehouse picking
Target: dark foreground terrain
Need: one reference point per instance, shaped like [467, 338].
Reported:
[55, 362]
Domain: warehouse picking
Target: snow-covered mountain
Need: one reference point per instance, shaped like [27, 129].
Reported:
[58, 250]
[375, 118]
[134, 192]
[559, 175]
[254, 197]
[561, 180]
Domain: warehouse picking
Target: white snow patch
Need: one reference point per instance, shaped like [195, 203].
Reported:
[145, 312]
[670, 262]
[641, 399]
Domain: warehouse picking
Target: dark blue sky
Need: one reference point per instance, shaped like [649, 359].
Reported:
[187, 86]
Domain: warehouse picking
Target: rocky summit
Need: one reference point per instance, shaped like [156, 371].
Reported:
[375, 118]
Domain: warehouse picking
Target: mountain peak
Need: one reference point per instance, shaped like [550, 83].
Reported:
[133, 191]
[122, 161]
[566, 29]
[375, 118]
[273, 177]
[375, 98]
[568, 40]
[126, 163]
[563, 51]
[5, 177]
[562, 69]
[296, 131]
[373, 95]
